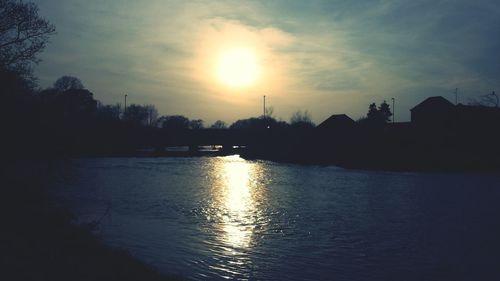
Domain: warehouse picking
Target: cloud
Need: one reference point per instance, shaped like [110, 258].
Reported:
[324, 56]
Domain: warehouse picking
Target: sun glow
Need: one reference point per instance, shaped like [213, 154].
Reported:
[237, 67]
[236, 64]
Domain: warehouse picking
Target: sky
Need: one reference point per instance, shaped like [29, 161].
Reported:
[327, 57]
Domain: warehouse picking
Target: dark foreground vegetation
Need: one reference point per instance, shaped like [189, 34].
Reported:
[40, 242]
[37, 240]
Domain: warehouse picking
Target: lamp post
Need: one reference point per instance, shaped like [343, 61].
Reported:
[393, 111]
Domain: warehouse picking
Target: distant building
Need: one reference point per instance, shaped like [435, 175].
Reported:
[438, 113]
[433, 112]
[337, 122]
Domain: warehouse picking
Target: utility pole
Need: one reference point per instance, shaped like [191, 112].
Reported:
[393, 111]
[264, 106]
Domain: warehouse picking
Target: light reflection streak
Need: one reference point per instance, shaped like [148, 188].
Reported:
[237, 197]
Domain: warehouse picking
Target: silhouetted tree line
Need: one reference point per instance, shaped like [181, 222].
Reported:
[66, 118]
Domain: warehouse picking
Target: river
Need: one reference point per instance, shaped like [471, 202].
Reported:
[216, 218]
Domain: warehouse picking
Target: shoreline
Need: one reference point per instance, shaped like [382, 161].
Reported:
[41, 242]
[455, 167]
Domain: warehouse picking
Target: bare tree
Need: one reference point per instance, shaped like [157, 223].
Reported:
[490, 100]
[110, 112]
[152, 114]
[23, 34]
[269, 112]
[196, 124]
[174, 122]
[66, 83]
[219, 124]
[142, 115]
[301, 119]
[137, 115]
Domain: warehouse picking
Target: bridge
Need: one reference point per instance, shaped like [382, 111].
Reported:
[262, 140]
[227, 138]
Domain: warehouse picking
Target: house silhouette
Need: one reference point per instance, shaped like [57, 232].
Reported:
[432, 112]
[337, 122]
[438, 112]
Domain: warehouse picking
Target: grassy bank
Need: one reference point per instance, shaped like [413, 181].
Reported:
[40, 242]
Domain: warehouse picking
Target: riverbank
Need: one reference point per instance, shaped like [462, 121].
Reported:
[370, 160]
[40, 242]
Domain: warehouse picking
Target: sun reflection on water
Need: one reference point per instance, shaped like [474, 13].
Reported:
[237, 197]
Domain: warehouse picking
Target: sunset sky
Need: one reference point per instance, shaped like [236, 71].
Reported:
[326, 57]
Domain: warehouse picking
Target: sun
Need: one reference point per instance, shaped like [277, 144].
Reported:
[237, 67]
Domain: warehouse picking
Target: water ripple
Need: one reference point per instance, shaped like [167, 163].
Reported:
[228, 218]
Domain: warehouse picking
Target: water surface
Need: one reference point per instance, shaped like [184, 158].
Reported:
[214, 218]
